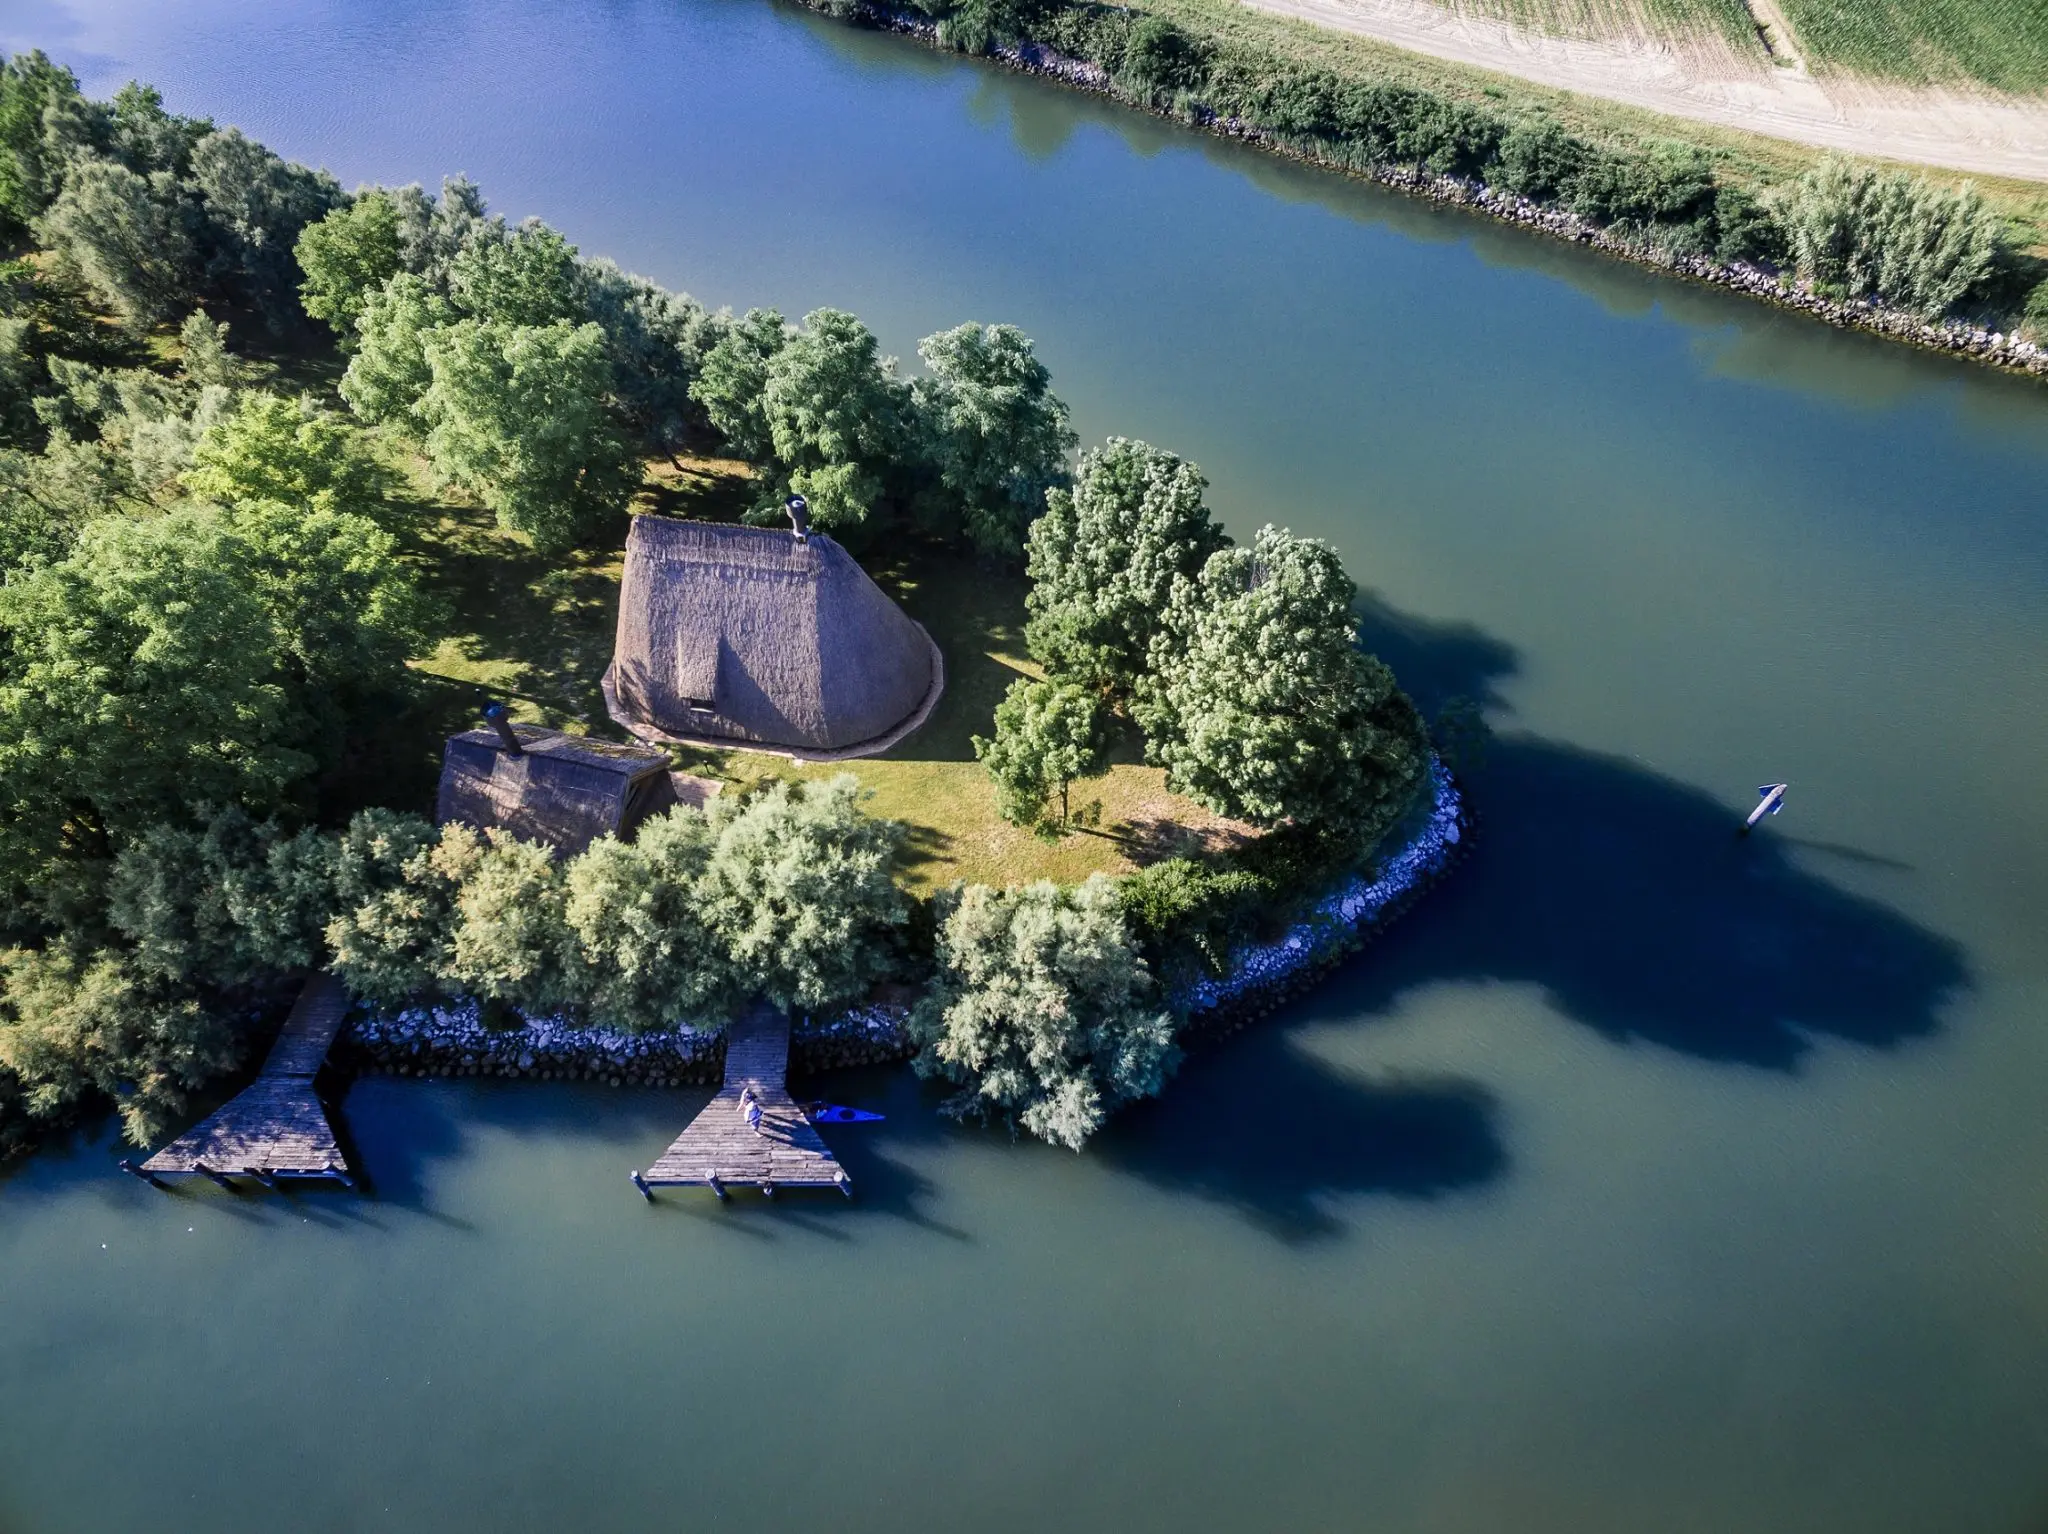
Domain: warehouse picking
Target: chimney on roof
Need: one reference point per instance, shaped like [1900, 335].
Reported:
[500, 720]
[799, 511]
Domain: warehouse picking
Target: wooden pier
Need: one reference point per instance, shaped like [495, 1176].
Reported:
[719, 1149]
[276, 1127]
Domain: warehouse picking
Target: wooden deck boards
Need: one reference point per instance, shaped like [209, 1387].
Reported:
[275, 1126]
[719, 1147]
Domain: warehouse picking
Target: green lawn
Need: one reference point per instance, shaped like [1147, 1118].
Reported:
[539, 632]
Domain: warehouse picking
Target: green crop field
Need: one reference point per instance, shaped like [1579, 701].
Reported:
[2000, 43]
[1676, 19]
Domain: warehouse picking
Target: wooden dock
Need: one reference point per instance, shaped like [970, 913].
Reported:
[275, 1127]
[719, 1149]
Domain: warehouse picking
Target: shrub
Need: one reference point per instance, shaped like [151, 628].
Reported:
[395, 886]
[1042, 1010]
[1160, 60]
[1857, 232]
[800, 892]
[649, 957]
[1182, 912]
[223, 905]
[73, 1028]
[1540, 161]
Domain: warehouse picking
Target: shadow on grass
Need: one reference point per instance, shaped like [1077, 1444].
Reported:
[976, 617]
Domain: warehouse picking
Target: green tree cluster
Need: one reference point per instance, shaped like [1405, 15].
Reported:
[786, 894]
[1242, 665]
[149, 210]
[1261, 705]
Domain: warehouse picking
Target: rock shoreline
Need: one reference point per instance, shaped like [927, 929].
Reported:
[452, 1039]
[1993, 348]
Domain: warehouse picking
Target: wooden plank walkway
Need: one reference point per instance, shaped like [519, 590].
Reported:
[719, 1148]
[276, 1126]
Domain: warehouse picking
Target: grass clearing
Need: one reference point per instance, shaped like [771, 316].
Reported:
[539, 632]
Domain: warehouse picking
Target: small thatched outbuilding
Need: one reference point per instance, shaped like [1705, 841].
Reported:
[755, 636]
[564, 790]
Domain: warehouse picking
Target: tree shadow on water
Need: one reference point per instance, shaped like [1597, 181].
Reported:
[1631, 899]
[1625, 895]
[1266, 1129]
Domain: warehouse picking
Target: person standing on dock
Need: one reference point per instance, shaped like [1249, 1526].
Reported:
[753, 1113]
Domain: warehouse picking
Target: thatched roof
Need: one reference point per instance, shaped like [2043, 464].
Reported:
[737, 635]
[564, 790]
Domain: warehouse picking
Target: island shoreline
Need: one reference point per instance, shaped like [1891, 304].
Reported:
[450, 1039]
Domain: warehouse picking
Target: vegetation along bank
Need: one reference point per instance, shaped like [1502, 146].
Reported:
[276, 457]
[1858, 245]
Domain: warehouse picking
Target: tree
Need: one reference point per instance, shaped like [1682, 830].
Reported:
[836, 417]
[200, 656]
[1859, 232]
[995, 431]
[1262, 706]
[275, 449]
[30, 176]
[128, 237]
[74, 1027]
[518, 416]
[1104, 559]
[139, 675]
[145, 138]
[395, 885]
[256, 207]
[651, 958]
[527, 277]
[733, 382]
[511, 940]
[658, 343]
[1042, 1010]
[347, 256]
[388, 377]
[800, 892]
[223, 904]
[1047, 735]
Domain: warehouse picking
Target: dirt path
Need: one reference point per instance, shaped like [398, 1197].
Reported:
[1712, 82]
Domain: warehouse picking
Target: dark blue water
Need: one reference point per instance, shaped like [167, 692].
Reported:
[1642, 1180]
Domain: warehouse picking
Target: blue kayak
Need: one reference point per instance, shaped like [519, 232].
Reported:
[832, 1113]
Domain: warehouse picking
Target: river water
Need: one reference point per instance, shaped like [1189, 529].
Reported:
[1642, 1179]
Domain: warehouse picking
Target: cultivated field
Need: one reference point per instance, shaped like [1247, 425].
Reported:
[1999, 43]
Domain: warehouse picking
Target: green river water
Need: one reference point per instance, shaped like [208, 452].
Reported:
[1642, 1179]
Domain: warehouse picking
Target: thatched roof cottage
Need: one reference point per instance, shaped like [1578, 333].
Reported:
[564, 790]
[754, 636]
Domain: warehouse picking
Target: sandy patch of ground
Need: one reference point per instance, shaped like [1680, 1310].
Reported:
[1711, 82]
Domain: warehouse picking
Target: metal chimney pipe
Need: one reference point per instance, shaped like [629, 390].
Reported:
[501, 721]
[799, 511]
